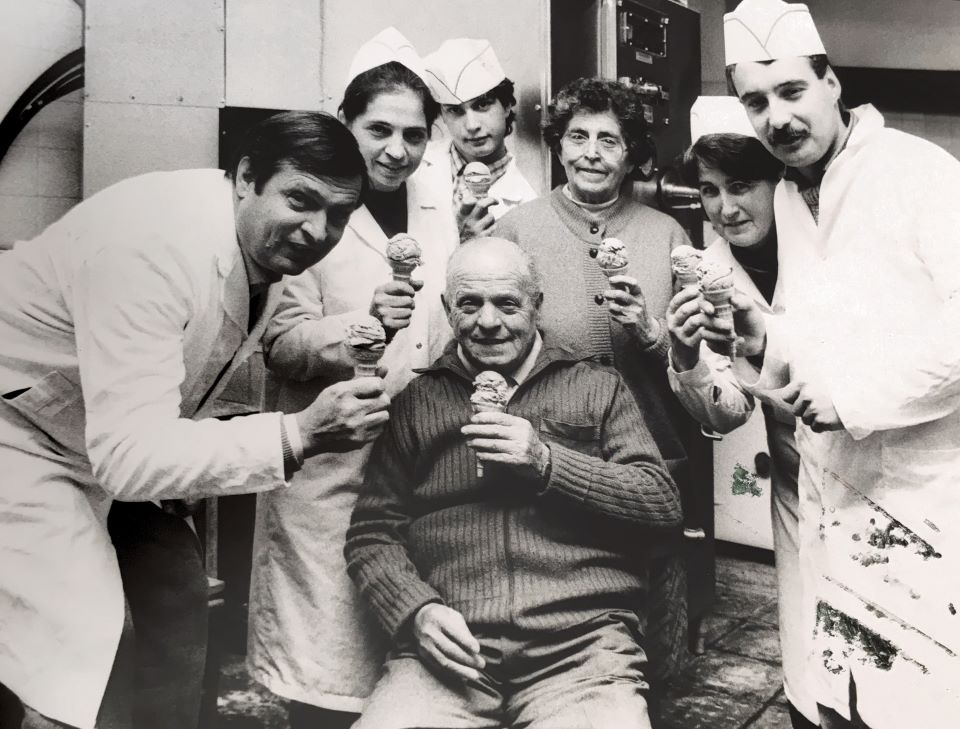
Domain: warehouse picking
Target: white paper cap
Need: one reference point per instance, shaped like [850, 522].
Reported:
[462, 69]
[766, 30]
[386, 46]
[719, 115]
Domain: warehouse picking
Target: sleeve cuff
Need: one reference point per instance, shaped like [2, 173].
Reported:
[293, 435]
[660, 346]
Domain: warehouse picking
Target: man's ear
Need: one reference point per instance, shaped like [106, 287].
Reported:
[833, 82]
[446, 306]
[244, 182]
[341, 117]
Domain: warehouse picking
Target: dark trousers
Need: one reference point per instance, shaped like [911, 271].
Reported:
[166, 589]
[305, 716]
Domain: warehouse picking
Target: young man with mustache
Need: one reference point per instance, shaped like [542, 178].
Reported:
[867, 358]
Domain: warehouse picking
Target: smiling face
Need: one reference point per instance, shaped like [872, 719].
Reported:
[492, 305]
[478, 127]
[392, 134]
[295, 220]
[795, 114]
[594, 155]
[741, 211]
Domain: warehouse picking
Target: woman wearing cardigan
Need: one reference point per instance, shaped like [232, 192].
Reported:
[598, 132]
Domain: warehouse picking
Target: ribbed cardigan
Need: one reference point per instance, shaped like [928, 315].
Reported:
[560, 236]
[502, 550]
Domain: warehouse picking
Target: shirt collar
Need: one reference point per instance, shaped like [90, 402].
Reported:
[497, 169]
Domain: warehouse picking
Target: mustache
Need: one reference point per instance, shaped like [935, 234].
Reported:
[786, 135]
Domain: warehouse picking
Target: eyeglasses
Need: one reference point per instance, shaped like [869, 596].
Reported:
[608, 145]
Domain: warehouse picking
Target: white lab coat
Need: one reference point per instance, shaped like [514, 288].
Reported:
[310, 637]
[712, 393]
[873, 296]
[511, 190]
[118, 319]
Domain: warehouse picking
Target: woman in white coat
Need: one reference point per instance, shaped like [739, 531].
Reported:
[736, 177]
[310, 639]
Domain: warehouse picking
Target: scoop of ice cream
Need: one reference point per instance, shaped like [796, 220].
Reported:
[490, 389]
[715, 276]
[685, 259]
[404, 248]
[366, 334]
[477, 177]
[612, 253]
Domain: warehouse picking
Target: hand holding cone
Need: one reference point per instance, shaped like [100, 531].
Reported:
[716, 286]
[489, 396]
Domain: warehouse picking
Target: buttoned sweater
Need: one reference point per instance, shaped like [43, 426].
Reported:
[503, 550]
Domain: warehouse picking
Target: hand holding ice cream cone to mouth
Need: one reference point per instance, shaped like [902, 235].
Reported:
[365, 343]
[489, 396]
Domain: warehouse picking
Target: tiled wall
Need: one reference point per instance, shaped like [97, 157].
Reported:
[40, 175]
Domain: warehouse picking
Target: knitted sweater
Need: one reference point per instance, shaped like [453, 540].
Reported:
[560, 235]
[502, 550]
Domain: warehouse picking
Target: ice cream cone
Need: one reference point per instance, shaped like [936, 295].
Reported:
[477, 179]
[402, 270]
[403, 255]
[723, 311]
[685, 260]
[365, 342]
[490, 396]
[485, 409]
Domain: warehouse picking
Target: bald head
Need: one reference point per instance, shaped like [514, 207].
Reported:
[495, 256]
[492, 301]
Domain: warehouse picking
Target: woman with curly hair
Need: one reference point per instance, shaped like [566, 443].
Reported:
[598, 132]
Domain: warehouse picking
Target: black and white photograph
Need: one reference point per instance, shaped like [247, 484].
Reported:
[506, 364]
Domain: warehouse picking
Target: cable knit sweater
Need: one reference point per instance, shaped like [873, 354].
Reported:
[560, 236]
[502, 550]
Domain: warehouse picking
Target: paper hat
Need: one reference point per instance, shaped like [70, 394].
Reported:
[766, 30]
[719, 115]
[386, 46]
[462, 69]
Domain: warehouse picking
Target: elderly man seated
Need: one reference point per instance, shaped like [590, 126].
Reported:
[514, 598]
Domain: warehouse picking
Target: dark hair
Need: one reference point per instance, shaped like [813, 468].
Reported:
[736, 155]
[310, 141]
[392, 76]
[596, 96]
[819, 63]
[503, 92]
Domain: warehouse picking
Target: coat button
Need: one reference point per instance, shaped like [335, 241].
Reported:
[593, 253]
[598, 298]
[594, 228]
[419, 345]
[605, 360]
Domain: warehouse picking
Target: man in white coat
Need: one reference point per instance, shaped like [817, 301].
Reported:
[868, 358]
[476, 102]
[120, 324]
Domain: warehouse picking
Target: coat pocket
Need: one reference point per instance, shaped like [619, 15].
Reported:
[54, 405]
[582, 437]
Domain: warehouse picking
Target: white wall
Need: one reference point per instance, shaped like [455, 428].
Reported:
[40, 174]
[890, 33]
[516, 28]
